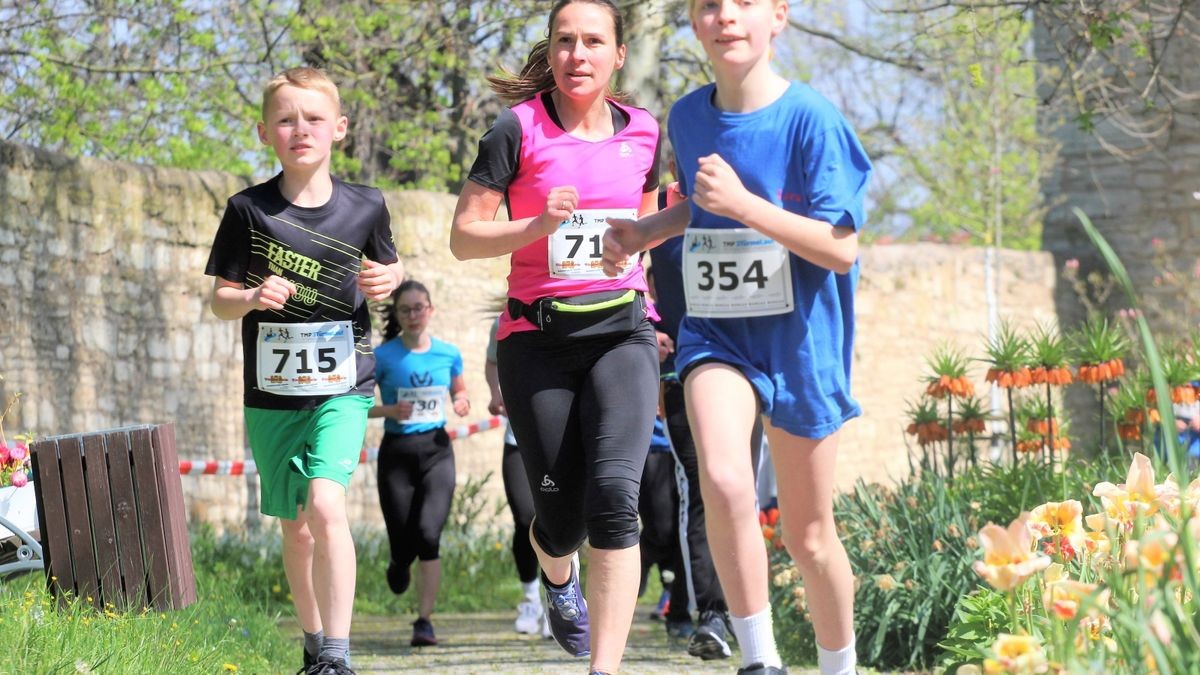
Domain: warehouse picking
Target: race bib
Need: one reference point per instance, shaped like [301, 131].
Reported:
[428, 404]
[306, 359]
[576, 248]
[735, 273]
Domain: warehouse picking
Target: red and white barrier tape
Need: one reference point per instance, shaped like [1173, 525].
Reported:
[247, 467]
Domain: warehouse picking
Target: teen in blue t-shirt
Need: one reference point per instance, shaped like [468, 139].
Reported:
[775, 180]
[415, 373]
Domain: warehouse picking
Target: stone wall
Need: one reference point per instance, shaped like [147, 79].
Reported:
[105, 319]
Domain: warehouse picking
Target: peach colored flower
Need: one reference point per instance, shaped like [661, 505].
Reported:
[885, 582]
[1058, 519]
[1016, 654]
[1008, 556]
[1137, 495]
[1064, 598]
[1151, 554]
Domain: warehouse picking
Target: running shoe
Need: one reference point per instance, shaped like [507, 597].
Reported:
[423, 633]
[711, 640]
[760, 669]
[308, 662]
[398, 577]
[529, 617]
[547, 634]
[329, 668]
[567, 614]
[680, 629]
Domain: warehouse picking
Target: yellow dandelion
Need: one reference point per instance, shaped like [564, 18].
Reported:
[229, 668]
[277, 588]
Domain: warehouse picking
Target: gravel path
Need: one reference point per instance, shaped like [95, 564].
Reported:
[486, 643]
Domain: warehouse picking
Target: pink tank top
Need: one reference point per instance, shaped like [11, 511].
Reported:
[609, 174]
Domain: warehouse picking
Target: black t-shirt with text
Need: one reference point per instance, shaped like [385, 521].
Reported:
[320, 250]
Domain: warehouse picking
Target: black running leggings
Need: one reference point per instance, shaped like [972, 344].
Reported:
[582, 411]
[520, 503]
[660, 542]
[416, 486]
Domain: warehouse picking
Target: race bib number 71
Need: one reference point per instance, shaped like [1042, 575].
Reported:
[735, 273]
[576, 249]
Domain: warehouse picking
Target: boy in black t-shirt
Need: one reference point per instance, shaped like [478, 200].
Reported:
[295, 258]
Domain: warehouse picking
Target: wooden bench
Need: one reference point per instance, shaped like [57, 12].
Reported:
[110, 505]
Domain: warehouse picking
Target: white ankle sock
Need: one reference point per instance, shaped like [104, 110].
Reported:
[840, 662]
[533, 591]
[756, 639]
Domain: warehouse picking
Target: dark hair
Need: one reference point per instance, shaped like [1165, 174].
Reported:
[536, 76]
[391, 326]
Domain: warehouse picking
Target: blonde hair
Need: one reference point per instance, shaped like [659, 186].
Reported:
[304, 77]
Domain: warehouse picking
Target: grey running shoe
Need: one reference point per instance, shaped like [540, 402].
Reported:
[567, 614]
[711, 640]
[422, 635]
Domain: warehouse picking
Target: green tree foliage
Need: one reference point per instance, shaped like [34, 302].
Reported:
[172, 83]
[983, 166]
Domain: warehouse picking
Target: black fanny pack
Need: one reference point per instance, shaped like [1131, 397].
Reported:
[584, 316]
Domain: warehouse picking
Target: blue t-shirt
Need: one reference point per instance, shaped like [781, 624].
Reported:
[666, 260]
[423, 377]
[800, 154]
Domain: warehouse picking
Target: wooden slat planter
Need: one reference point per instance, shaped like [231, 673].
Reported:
[110, 505]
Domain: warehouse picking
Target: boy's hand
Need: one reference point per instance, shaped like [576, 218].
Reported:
[376, 280]
[717, 188]
[622, 239]
[561, 202]
[272, 293]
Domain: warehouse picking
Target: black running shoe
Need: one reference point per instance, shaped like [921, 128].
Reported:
[329, 668]
[309, 661]
[711, 639]
[423, 633]
[398, 577]
[760, 669]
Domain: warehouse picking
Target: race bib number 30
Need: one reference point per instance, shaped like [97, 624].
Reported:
[735, 273]
[306, 359]
[428, 404]
[576, 248]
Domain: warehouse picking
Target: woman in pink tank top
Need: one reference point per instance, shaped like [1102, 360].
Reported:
[577, 357]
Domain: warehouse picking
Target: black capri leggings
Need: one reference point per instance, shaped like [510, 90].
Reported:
[416, 486]
[520, 503]
[582, 411]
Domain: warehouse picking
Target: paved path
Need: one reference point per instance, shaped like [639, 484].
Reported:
[486, 643]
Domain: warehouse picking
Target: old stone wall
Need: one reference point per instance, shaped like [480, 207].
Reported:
[104, 318]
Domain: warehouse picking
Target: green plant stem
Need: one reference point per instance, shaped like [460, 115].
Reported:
[1012, 425]
[1103, 450]
[950, 436]
[971, 447]
[1049, 420]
